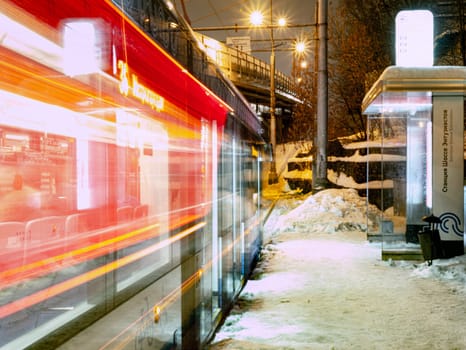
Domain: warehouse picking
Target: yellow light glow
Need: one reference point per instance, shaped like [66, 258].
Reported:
[282, 22]
[170, 5]
[300, 47]
[130, 83]
[157, 312]
[257, 18]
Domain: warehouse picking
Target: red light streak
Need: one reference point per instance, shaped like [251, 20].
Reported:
[78, 255]
[68, 93]
[62, 287]
[221, 103]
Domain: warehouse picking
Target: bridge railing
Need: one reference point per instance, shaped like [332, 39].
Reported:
[242, 68]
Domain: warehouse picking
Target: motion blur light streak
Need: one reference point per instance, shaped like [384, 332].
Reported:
[118, 342]
[74, 257]
[116, 182]
[59, 288]
[183, 69]
[18, 38]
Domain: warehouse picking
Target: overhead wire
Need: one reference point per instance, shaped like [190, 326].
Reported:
[217, 12]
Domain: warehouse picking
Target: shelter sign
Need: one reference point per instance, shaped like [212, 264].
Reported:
[447, 172]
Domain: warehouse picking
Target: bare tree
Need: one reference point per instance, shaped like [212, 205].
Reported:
[362, 45]
[450, 39]
[303, 122]
[357, 57]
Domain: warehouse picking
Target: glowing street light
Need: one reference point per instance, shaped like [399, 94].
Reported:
[300, 47]
[257, 19]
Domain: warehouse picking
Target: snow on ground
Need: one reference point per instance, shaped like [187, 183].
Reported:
[330, 211]
[321, 285]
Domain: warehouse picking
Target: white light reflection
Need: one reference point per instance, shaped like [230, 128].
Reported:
[25, 41]
[81, 49]
[414, 38]
[170, 5]
[21, 112]
[398, 107]
[82, 172]
[429, 158]
[211, 47]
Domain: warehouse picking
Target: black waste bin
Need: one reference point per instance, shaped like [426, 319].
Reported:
[429, 238]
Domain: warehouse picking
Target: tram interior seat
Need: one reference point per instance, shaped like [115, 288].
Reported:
[76, 223]
[12, 235]
[44, 229]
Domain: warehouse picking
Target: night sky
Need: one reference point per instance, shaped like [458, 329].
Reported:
[221, 13]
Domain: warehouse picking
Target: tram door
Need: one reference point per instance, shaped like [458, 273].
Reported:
[142, 187]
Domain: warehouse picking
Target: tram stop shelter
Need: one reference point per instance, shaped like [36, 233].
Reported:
[415, 167]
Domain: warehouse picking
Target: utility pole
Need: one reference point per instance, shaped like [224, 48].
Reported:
[273, 177]
[319, 179]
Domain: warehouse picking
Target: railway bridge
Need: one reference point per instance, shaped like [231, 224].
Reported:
[251, 76]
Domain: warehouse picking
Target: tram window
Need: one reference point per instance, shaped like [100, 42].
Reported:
[37, 173]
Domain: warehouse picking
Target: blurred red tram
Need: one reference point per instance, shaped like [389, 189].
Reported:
[129, 183]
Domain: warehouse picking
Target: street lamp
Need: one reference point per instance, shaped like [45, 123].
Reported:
[300, 47]
[257, 20]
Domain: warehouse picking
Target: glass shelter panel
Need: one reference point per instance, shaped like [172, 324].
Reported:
[387, 177]
[399, 167]
[418, 171]
[426, 107]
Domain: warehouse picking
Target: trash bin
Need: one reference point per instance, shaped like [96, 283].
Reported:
[429, 238]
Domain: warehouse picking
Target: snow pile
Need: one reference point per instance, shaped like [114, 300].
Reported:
[328, 211]
[451, 271]
[343, 210]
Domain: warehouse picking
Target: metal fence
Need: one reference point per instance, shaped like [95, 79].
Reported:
[243, 68]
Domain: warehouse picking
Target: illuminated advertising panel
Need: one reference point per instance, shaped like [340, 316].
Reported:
[414, 38]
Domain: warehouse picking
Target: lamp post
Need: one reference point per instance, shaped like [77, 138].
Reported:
[319, 178]
[256, 19]
[273, 177]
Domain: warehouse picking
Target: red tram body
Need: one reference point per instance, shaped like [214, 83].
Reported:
[128, 188]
